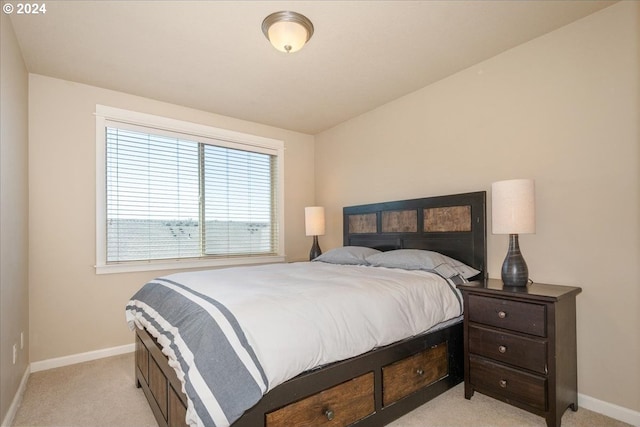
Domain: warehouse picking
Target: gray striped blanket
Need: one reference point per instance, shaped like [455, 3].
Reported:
[220, 373]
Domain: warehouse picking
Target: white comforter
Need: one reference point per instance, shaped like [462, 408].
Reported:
[303, 315]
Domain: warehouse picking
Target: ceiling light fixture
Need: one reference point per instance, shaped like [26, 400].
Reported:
[287, 31]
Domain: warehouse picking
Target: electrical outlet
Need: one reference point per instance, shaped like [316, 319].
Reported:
[15, 353]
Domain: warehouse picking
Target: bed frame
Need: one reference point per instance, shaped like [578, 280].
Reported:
[377, 387]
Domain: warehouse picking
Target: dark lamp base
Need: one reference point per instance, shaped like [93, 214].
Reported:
[514, 269]
[315, 249]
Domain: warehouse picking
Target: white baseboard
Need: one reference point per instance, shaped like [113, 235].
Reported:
[58, 362]
[17, 400]
[609, 409]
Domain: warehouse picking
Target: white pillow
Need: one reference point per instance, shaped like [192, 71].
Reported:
[417, 259]
[347, 255]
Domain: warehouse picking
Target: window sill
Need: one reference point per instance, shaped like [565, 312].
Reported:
[184, 264]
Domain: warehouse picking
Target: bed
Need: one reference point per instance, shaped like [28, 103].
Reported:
[371, 388]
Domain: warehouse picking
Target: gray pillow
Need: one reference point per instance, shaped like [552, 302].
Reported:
[417, 259]
[347, 255]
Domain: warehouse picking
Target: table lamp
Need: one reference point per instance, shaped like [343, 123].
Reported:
[314, 226]
[513, 213]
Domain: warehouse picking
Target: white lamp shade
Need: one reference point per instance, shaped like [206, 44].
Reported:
[287, 36]
[513, 207]
[314, 220]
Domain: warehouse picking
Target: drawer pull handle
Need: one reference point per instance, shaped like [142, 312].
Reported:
[420, 372]
[503, 383]
[502, 349]
[502, 314]
[329, 414]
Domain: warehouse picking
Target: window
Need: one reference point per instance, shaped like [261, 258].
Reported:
[174, 194]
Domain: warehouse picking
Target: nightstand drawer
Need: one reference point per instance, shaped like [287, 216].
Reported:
[338, 406]
[528, 318]
[507, 382]
[509, 348]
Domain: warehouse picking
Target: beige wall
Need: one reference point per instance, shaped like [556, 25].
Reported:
[563, 109]
[14, 210]
[73, 310]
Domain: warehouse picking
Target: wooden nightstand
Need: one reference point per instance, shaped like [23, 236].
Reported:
[520, 346]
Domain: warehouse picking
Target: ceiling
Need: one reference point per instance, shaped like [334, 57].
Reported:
[212, 55]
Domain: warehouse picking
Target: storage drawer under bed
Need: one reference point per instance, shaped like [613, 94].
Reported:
[338, 406]
[409, 375]
[160, 388]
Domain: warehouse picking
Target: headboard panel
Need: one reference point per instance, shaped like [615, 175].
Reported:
[454, 225]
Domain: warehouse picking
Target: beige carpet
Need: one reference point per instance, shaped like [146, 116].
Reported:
[102, 393]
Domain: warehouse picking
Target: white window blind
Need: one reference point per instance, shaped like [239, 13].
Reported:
[238, 202]
[174, 196]
[153, 207]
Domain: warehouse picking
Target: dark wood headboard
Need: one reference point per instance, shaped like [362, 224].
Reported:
[454, 225]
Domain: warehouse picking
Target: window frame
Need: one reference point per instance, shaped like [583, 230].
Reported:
[196, 132]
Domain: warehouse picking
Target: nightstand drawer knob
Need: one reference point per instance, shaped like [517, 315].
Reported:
[502, 349]
[419, 371]
[502, 314]
[329, 414]
[503, 383]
